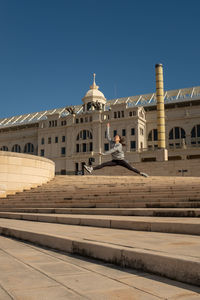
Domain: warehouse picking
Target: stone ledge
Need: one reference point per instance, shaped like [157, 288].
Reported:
[177, 267]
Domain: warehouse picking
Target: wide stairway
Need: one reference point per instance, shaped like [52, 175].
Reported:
[150, 224]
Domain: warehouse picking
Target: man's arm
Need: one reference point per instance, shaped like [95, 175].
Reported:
[108, 133]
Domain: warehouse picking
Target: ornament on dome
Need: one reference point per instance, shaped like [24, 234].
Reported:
[94, 86]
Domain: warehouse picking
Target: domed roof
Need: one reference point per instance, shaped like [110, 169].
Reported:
[94, 91]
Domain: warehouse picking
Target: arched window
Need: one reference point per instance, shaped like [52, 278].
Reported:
[4, 148]
[195, 135]
[153, 135]
[16, 148]
[152, 139]
[177, 133]
[176, 137]
[28, 148]
[84, 143]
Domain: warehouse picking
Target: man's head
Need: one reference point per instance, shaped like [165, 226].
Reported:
[117, 138]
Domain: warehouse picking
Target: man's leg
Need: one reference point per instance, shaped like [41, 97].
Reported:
[126, 165]
[106, 164]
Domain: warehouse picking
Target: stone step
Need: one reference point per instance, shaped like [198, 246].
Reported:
[169, 205]
[54, 275]
[107, 195]
[95, 200]
[155, 212]
[154, 224]
[170, 255]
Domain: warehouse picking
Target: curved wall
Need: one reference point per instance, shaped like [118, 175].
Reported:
[23, 171]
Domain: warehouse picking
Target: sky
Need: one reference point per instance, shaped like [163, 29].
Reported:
[49, 49]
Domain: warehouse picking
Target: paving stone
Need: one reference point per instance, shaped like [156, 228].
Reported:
[4, 295]
[49, 293]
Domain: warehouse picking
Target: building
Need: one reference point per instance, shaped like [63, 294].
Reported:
[73, 136]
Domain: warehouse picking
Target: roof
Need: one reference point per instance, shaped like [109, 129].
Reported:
[172, 96]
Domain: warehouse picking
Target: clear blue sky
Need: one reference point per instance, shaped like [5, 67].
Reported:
[50, 48]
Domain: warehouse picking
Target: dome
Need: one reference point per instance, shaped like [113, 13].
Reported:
[94, 93]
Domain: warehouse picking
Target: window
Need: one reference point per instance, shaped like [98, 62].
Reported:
[42, 152]
[42, 141]
[84, 147]
[84, 134]
[81, 120]
[16, 148]
[132, 131]
[49, 140]
[77, 121]
[115, 114]
[123, 132]
[133, 145]
[4, 148]
[114, 133]
[56, 139]
[195, 135]
[122, 113]
[106, 147]
[118, 114]
[155, 134]
[53, 123]
[90, 119]
[28, 148]
[152, 139]
[77, 148]
[86, 120]
[132, 113]
[63, 138]
[105, 134]
[176, 133]
[63, 123]
[63, 151]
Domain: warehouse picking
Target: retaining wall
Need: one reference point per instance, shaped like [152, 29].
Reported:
[23, 171]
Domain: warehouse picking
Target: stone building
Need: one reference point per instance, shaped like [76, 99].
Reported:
[73, 136]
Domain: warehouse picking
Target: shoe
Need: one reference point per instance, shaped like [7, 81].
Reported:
[144, 174]
[89, 169]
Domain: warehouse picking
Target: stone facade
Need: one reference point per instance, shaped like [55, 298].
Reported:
[74, 136]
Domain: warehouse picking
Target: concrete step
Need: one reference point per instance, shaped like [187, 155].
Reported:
[54, 275]
[132, 196]
[155, 212]
[170, 206]
[154, 224]
[170, 255]
[96, 200]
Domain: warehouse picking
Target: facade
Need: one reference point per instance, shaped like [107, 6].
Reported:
[74, 136]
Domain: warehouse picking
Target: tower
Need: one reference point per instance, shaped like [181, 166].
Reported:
[162, 151]
[94, 99]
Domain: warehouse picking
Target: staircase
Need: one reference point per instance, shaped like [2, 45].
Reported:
[149, 224]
